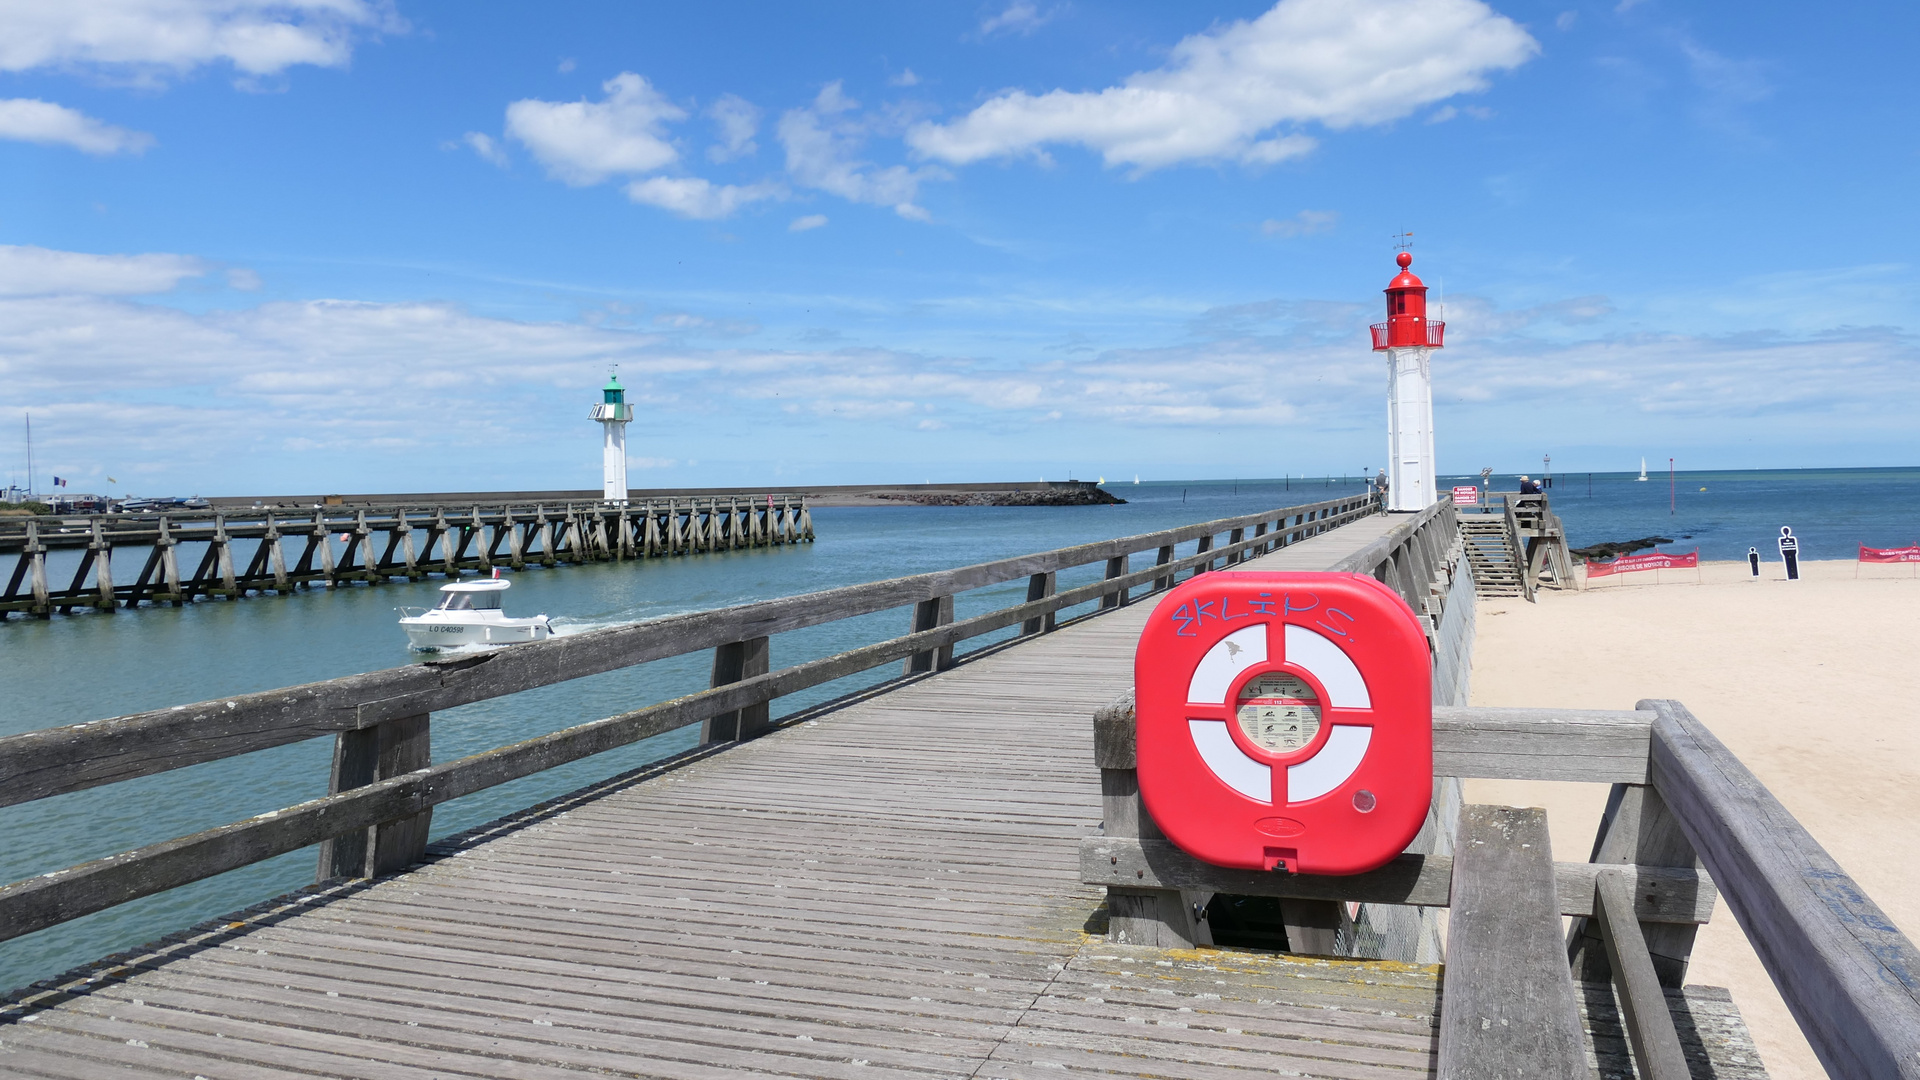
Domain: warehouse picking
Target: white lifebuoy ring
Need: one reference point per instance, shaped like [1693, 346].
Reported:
[1346, 744]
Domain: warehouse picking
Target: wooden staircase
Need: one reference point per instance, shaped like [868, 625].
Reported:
[1497, 569]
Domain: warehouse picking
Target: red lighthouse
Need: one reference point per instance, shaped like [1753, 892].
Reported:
[1408, 338]
[1407, 323]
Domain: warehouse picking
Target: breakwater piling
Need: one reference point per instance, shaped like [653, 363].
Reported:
[233, 552]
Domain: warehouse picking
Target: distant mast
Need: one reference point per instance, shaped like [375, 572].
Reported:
[1409, 340]
[613, 413]
[1643, 471]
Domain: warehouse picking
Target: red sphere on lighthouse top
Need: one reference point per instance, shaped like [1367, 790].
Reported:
[1407, 324]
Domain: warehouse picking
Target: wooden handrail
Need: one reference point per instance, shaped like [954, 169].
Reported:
[1847, 973]
[53, 761]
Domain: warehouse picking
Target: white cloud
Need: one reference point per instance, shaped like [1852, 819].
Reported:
[217, 392]
[258, 37]
[1018, 17]
[1337, 63]
[811, 221]
[905, 78]
[821, 142]
[487, 147]
[585, 142]
[1305, 223]
[692, 197]
[244, 280]
[738, 119]
[31, 120]
[35, 271]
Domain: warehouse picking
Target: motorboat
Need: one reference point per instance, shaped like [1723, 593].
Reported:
[469, 613]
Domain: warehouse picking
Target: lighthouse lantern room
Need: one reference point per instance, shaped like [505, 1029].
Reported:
[613, 413]
[1409, 338]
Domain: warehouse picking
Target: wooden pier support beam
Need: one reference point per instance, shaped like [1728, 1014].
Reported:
[545, 525]
[102, 569]
[276, 557]
[323, 534]
[409, 558]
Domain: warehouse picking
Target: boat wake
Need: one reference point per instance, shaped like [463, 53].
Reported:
[566, 626]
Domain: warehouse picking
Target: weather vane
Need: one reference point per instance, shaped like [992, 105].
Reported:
[1402, 241]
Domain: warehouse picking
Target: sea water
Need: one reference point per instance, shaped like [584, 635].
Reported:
[1722, 514]
[93, 665]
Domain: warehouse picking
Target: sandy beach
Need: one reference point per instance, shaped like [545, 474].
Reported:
[1812, 682]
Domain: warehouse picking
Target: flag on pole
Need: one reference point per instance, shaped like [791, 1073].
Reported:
[59, 482]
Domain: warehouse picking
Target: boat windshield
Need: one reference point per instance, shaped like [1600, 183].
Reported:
[470, 601]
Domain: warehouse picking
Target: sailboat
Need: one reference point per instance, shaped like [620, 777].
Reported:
[1642, 478]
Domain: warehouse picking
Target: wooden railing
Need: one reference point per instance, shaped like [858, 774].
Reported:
[1681, 800]
[383, 787]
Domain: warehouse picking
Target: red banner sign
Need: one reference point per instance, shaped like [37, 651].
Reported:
[1627, 564]
[1466, 495]
[1905, 554]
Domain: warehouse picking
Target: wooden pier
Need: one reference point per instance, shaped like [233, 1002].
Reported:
[915, 880]
[234, 553]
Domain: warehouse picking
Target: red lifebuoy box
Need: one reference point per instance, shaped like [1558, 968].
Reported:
[1285, 721]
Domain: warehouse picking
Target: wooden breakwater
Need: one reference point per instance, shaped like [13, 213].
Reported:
[991, 493]
[188, 555]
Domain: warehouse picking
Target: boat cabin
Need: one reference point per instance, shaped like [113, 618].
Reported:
[472, 595]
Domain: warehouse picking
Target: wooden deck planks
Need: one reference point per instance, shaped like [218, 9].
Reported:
[891, 890]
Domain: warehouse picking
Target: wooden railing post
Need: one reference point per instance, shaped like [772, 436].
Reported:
[1159, 917]
[731, 663]
[1235, 537]
[1637, 828]
[1116, 567]
[1039, 587]
[1164, 556]
[360, 757]
[1205, 545]
[928, 614]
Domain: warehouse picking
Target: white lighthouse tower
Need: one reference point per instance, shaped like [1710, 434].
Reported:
[613, 413]
[1409, 340]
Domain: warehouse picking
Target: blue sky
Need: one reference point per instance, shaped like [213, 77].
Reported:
[341, 245]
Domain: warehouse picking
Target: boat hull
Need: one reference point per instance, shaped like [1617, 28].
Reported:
[434, 634]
